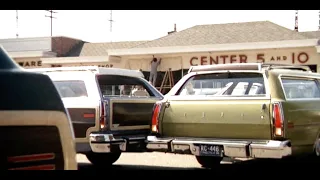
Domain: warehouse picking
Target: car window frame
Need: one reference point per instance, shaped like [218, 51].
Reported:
[290, 77]
[84, 83]
[190, 76]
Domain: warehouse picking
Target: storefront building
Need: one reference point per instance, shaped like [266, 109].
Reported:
[248, 42]
[261, 41]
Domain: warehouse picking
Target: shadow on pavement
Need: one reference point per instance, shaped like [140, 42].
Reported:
[90, 167]
[225, 168]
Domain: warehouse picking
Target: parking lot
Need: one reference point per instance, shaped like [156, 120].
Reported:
[154, 160]
[162, 161]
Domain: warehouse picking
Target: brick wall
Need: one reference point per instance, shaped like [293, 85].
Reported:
[62, 45]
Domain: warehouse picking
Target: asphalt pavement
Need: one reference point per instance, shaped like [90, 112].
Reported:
[168, 161]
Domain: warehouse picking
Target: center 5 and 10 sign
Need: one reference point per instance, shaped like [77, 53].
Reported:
[293, 58]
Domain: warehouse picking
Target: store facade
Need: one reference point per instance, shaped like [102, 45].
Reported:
[250, 42]
[247, 42]
[297, 52]
[300, 52]
[179, 59]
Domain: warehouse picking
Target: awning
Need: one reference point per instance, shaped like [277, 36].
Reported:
[213, 47]
[81, 59]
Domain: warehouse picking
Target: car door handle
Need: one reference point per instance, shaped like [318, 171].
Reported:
[263, 106]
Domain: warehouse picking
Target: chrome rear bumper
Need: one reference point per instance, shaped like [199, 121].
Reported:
[231, 148]
[106, 143]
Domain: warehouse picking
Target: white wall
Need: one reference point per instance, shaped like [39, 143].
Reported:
[26, 44]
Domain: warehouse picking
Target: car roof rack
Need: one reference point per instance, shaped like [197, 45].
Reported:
[225, 67]
[62, 69]
[247, 66]
[93, 69]
[271, 66]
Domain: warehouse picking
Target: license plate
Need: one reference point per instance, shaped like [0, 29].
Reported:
[210, 150]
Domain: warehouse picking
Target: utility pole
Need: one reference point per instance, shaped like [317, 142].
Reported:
[17, 24]
[319, 21]
[111, 21]
[51, 17]
[296, 28]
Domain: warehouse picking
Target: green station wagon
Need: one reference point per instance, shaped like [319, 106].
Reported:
[239, 111]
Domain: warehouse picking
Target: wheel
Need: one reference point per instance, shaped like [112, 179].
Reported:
[314, 157]
[103, 159]
[208, 161]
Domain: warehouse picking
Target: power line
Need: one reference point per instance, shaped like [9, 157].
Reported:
[51, 17]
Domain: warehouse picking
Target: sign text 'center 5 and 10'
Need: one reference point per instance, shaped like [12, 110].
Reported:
[294, 58]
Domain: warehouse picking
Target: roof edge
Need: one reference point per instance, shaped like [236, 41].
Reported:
[213, 47]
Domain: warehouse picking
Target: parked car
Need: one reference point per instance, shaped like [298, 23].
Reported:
[239, 111]
[110, 109]
[35, 130]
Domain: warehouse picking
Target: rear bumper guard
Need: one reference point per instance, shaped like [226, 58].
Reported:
[317, 147]
[105, 143]
[245, 149]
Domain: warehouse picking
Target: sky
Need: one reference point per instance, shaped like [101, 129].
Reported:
[137, 25]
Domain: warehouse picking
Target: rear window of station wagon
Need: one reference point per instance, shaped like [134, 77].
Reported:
[68, 89]
[224, 84]
[300, 88]
[114, 85]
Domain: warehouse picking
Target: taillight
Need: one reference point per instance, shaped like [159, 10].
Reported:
[278, 120]
[155, 118]
[102, 115]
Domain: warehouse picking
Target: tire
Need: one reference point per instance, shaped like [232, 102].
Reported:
[208, 161]
[103, 159]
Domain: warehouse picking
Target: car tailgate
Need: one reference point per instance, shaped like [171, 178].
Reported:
[246, 118]
[131, 113]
